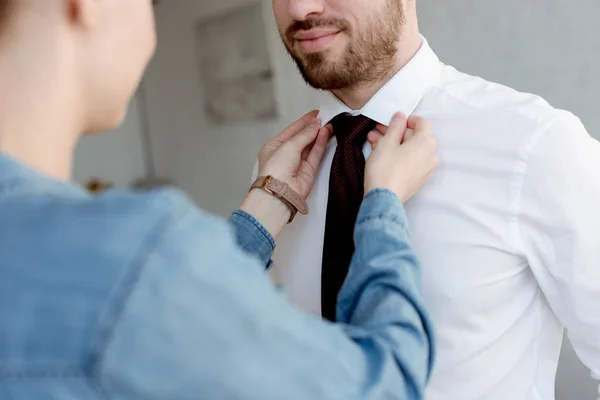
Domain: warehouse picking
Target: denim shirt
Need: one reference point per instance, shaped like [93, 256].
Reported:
[143, 296]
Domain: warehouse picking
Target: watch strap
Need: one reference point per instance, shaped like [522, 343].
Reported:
[282, 191]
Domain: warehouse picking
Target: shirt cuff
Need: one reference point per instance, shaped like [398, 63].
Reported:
[382, 204]
[252, 237]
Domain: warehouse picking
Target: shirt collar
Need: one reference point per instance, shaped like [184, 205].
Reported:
[17, 177]
[402, 93]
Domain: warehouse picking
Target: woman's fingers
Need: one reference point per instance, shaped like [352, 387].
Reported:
[296, 127]
[408, 135]
[381, 128]
[305, 137]
[317, 152]
[420, 125]
[397, 128]
[374, 137]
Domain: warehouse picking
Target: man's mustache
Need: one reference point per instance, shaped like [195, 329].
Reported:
[315, 23]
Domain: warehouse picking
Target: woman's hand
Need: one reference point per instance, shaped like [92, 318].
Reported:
[294, 157]
[404, 156]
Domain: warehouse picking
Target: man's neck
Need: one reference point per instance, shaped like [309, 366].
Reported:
[356, 98]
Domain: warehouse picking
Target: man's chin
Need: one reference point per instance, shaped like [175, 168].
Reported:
[318, 70]
[328, 83]
[321, 78]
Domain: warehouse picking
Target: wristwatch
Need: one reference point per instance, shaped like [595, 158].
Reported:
[283, 192]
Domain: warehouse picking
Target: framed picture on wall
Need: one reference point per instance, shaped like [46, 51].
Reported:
[235, 67]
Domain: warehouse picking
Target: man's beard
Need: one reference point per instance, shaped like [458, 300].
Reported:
[368, 58]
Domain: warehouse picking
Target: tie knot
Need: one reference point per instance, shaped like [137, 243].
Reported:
[352, 129]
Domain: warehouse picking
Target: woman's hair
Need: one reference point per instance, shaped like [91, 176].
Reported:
[4, 11]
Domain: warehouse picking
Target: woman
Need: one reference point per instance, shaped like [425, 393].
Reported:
[144, 296]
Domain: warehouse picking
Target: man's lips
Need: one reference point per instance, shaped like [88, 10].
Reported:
[315, 40]
[315, 33]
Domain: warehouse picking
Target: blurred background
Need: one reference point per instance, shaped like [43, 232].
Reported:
[215, 52]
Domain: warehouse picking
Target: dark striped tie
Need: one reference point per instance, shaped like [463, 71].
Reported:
[346, 191]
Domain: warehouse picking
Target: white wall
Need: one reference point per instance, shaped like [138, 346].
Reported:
[549, 47]
[116, 156]
[546, 47]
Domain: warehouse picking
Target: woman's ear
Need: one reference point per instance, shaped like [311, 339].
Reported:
[85, 13]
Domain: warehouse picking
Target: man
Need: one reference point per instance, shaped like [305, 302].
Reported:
[144, 296]
[507, 229]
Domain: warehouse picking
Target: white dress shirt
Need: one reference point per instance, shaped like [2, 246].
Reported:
[508, 231]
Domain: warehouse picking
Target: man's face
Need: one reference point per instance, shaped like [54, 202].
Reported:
[341, 44]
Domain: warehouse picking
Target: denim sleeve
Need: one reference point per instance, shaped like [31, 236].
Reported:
[253, 238]
[383, 292]
[202, 321]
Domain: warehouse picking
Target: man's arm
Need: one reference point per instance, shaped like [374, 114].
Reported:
[203, 321]
[558, 227]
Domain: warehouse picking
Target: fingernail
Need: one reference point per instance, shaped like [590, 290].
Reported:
[315, 123]
[399, 116]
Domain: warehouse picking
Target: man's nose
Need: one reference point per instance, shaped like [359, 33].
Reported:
[301, 10]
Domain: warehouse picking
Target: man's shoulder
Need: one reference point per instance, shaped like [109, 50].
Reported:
[522, 126]
[475, 95]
